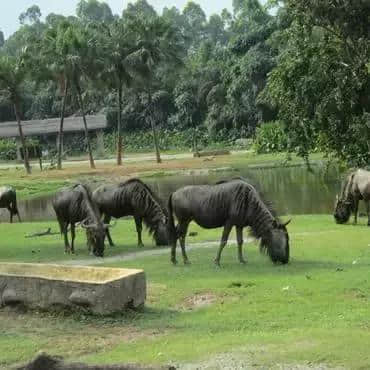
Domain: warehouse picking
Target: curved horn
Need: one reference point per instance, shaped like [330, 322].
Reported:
[287, 223]
[109, 226]
[87, 226]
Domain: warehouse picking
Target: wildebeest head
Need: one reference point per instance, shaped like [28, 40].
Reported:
[276, 243]
[95, 234]
[342, 210]
[160, 234]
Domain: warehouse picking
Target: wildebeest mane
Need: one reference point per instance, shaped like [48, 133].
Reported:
[268, 203]
[148, 202]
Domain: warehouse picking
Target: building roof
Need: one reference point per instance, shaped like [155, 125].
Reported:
[51, 126]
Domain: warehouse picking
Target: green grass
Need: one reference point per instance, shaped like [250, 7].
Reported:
[30, 186]
[315, 309]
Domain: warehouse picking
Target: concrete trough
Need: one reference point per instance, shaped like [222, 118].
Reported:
[100, 290]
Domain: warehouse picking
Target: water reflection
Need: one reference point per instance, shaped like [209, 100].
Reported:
[293, 190]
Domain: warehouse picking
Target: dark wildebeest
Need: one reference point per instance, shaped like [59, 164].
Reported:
[73, 205]
[355, 188]
[133, 198]
[228, 203]
[8, 199]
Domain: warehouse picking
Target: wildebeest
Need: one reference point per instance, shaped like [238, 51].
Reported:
[8, 199]
[356, 187]
[133, 198]
[73, 205]
[229, 203]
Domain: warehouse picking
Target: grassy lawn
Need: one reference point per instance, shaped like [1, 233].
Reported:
[313, 310]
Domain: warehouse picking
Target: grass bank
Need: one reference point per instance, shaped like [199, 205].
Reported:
[313, 311]
[48, 181]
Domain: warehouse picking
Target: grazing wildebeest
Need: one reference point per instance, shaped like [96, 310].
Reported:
[73, 205]
[356, 187]
[228, 203]
[8, 199]
[133, 198]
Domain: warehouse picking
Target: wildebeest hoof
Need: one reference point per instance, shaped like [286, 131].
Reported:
[174, 261]
[217, 263]
[187, 262]
[140, 245]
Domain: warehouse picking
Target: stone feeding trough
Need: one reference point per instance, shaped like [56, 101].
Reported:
[99, 290]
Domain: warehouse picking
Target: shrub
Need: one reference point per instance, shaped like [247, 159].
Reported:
[270, 137]
[8, 149]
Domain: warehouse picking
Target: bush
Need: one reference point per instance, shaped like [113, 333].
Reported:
[270, 137]
[142, 141]
[8, 149]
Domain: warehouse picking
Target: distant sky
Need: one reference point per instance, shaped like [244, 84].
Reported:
[10, 9]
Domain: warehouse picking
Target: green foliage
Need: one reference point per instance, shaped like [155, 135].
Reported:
[321, 82]
[2, 39]
[31, 15]
[270, 137]
[8, 149]
[180, 70]
[94, 11]
[142, 141]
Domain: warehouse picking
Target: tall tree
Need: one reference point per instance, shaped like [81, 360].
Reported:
[321, 84]
[157, 42]
[140, 8]
[94, 11]
[31, 15]
[196, 22]
[2, 39]
[12, 77]
[67, 54]
[115, 49]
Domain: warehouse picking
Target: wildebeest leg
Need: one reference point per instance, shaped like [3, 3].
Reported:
[107, 232]
[139, 229]
[183, 229]
[368, 212]
[225, 236]
[11, 215]
[73, 235]
[19, 217]
[239, 238]
[356, 201]
[65, 234]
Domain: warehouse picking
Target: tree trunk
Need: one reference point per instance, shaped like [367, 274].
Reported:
[80, 102]
[154, 129]
[156, 144]
[119, 125]
[195, 138]
[60, 134]
[23, 141]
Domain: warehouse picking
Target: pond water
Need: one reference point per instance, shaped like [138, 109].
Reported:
[293, 190]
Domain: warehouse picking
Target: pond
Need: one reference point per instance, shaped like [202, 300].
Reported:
[293, 190]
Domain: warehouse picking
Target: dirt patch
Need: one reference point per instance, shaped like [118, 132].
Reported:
[239, 361]
[198, 300]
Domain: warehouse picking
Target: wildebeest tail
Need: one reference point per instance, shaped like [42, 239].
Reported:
[171, 222]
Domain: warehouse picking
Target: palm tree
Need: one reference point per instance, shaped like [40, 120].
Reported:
[12, 76]
[115, 48]
[156, 42]
[52, 58]
[66, 52]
